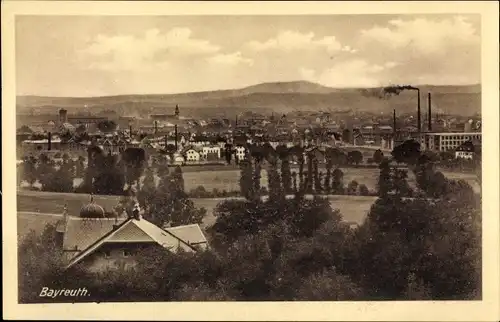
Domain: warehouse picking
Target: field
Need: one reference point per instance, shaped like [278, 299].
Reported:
[228, 179]
[35, 209]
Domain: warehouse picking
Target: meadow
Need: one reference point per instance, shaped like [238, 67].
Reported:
[228, 178]
[35, 209]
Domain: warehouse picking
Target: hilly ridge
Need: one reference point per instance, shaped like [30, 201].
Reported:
[276, 96]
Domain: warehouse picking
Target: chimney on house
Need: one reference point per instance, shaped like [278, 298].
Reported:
[49, 138]
[429, 113]
[136, 212]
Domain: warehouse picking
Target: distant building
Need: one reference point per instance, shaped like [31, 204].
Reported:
[191, 154]
[240, 152]
[166, 117]
[467, 150]
[212, 152]
[446, 141]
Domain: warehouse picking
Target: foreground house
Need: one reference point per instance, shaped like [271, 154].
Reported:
[100, 243]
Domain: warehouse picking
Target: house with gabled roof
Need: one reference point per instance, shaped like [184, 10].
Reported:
[96, 243]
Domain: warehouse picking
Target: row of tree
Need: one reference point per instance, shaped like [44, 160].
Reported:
[419, 248]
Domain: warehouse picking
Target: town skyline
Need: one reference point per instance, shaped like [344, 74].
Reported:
[97, 56]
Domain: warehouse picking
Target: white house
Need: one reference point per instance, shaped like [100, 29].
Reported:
[240, 152]
[209, 152]
[178, 158]
[191, 155]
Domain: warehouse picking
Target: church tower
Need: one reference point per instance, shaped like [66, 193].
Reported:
[177, 111]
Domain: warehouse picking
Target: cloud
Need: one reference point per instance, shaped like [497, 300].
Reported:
[348, 73]
[150, 51]
[426, 50]
[231, 59]
[292, 40]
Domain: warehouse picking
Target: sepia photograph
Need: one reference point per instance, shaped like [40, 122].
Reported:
[249, 157]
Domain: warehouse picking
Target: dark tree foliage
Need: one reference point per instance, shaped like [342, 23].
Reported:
[246, 179]
[407, 152]
[29, 173]
[337, 181]
[354, 157]
[286, 175]
[378, 156]
[352, 187]
[294, 182]
[110, 178]
[274, 183]
[106, 126]
[60, 180]
[346, 136]
[385, 180]
[169, 205]
[228, 152]
[363, 190]
[134, 161]
[317, 179]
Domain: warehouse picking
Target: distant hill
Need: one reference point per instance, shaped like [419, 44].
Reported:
[279, 97]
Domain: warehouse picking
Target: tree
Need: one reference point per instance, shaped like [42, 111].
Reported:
[80, 129]
[346, 136]
[107, 126]
[228, 152]
[363, 190]
[421, 248]
[400, 183]
[354, 157]
[328, 285]
[29, 173]
[147, 191]
[45, 170]
[80, 167]
[246, 179]
[294, 181]
[378, 156]
[275, 190]
[134, 161]
[384, 181]
[407, 152]
[352, 187]
[109, 178]
[286, 176]
[337, 182]
[170, 205]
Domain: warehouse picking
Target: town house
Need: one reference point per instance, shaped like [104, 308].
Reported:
[96, 243]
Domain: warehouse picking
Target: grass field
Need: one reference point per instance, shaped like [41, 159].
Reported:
[229, 178]
[35, 209]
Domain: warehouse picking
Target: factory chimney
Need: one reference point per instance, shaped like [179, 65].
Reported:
[49, 139]
[156, 126]
[429, 113]
[175, 137]
[419, 123]
[394, 122]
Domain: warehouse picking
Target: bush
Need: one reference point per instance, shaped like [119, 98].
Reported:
[363, 190]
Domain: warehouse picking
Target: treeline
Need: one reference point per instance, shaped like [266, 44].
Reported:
[308, 180]
[414, 245]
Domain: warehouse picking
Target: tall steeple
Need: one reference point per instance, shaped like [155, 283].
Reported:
[177, 110]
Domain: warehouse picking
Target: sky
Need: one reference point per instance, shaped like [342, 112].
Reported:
[112, 55]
